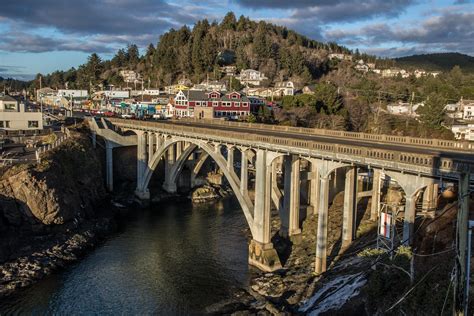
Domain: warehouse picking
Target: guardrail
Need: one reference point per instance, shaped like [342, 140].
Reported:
[59, 141]
[405, 140]
[409, 159]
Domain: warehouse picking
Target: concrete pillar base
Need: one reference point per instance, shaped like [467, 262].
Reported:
[320, 265]
[142, 194]
[170, 187]
[296, 238]
[263, 256]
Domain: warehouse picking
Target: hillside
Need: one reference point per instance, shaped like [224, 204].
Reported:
[440, 61]
[198, 52]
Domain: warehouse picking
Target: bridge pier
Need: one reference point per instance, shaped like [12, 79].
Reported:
[169, 185]
[430, 197]
[261, 252]
[350, 207]
[314, 187]
[109, 162]
[244, 172]
[375, 202]
[322, 233]
[141, 192]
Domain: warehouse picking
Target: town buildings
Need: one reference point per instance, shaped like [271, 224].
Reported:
[14, 117]
[404, 108]
[231, 104]
[130, 76]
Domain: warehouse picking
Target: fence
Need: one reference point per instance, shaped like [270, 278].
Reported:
[59, 141]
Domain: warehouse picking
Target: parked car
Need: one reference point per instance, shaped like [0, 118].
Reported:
[128, 116]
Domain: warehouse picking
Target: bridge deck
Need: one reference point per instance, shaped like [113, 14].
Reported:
[409, 148]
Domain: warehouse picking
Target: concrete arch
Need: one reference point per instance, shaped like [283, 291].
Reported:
[244, 201]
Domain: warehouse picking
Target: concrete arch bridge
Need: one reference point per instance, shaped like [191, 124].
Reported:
[294, 167]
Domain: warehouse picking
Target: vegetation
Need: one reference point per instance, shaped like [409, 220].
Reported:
[437, 62]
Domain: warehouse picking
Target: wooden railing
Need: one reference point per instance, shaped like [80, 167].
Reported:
[407, 158]
[405, 140]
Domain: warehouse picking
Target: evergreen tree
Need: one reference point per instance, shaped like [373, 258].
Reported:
[432, 113]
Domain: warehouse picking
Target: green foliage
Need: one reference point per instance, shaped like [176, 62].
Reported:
[432, 113]
[251, 118]
[439, 61]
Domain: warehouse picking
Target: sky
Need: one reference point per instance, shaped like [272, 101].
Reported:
[48, 35]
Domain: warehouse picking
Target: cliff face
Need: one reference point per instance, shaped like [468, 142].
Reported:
[50, 197]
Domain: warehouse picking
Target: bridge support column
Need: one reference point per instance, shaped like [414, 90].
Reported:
[350, 207]
[322, 233]
[409, 221]
[230, 158]
[94, 139]
[294, 222]
[109, 161]
[430, 197]
[179, 149]
[375, 202]
[151, 142]
[141, 192]
[159, 141]
[261, 251]
[290, 217]
[169, 186]
[314, 188]
[244, 173]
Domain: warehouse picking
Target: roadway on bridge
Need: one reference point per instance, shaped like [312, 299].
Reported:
[336, 140]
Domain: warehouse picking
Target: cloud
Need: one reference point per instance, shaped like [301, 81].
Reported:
[96, 16]
[449, 31]
[330, 11]
[32, 43]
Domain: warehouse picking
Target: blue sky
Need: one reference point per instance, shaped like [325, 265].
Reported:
[47, 35]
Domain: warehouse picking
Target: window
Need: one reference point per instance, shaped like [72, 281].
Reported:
[245, 104]
[237, 104]
[4, 124]
[33, 124]
[10, 107]
[1, 124]
[215, 103]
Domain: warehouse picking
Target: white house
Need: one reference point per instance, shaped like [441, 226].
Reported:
[251, 76]
[14, 116]
[286, 87]
[69, 93]
[465, 132]
[403, 108]
[130, 76]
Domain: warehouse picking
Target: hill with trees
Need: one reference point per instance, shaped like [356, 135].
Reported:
[198, 52]
[439, 61]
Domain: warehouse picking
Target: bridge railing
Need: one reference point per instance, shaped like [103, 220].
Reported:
[406, 140]
[409, 159]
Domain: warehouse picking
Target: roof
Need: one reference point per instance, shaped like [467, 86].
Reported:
[7, 98]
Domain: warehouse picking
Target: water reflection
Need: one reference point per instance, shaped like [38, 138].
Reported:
[172, 259]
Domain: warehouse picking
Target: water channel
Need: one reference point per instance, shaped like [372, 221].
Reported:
[173, 258]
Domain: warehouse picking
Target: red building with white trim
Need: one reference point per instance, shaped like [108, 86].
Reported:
[230, 104]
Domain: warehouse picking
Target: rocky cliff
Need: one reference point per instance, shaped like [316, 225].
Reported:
[49, 198]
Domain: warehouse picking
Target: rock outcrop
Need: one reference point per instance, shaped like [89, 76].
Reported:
[49, 212]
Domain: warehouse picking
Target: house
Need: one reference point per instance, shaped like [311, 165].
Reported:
[371, 66]
[130, 76]
[404, 108]
[250, 76]
[173, 89]
[463, 132]
[231, 104]
[210, 85]
[229, 70]
[361, 66]
[308, 90]
[340, 56]
[14, 116]
[185, 82]
[468, 112]
[46, 92]
[259, 92]
[419, 73]
[286, 87]
[393, 72]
